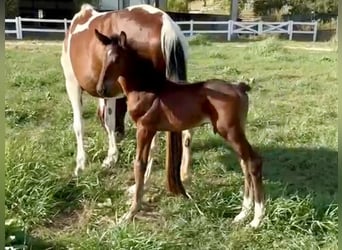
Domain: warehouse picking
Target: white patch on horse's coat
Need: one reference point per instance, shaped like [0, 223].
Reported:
[171, 31]
[186, 156]
[102, 103]
[246, 208]
[147, 7]
[85, 7]
[259, 211]
[82, 27]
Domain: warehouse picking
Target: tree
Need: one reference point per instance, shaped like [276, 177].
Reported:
[11, 8]
[266, 7]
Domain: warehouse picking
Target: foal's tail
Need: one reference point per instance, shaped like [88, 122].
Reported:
[244, 87]
[174, 48]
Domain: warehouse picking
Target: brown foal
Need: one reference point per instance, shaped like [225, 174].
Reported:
[158, 104]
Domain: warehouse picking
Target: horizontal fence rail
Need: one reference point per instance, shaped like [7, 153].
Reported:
[217, 27]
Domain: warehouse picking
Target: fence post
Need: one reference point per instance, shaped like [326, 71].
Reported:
[191, 28]
[259, 28]
[229, 30]
[65, 25]
[20, 30]
[290, 29]
[17, 27]
[315, 32]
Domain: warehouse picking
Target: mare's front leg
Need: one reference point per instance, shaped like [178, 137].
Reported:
[75, 96]
[108, 107]
[144, 139]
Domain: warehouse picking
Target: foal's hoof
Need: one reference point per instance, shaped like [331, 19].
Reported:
[125, 219]
[255, 223]
[240, 218]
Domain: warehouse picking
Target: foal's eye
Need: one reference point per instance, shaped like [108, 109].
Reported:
[115, 58]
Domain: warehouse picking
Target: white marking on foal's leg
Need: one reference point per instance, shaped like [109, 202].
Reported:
[259, 210]
[109, 123]
[247, 197]
[153, 150]
[75, 95]
[186, 156]
[245, 210]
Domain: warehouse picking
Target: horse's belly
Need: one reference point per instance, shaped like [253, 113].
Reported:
[178, 122]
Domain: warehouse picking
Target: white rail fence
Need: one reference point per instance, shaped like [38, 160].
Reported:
[228, 27]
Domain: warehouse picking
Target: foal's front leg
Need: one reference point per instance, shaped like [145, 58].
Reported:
[144, 138]
[152, 154]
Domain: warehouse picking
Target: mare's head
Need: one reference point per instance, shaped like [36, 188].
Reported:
[113, 64]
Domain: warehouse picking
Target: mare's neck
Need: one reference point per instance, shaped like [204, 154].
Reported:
[141, 75]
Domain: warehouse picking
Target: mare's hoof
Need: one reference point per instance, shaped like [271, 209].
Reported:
[110, 161]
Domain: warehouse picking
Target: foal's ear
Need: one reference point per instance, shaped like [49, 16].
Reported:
[105, 40]
[123, 39]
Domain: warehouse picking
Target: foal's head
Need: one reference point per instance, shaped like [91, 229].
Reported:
[113, 64]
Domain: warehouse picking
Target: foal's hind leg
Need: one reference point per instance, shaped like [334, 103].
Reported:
[247, 194]
[253, 164]
[154, 148]
[144, 138]
[75, 96]
[109, 124]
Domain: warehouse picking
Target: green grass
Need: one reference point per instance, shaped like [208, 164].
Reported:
[292, 121]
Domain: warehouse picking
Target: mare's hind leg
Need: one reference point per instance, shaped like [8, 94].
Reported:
[144, 138]
[75, 96]
[108, 106]
[253, 164]
[153, 150]
[186, 157]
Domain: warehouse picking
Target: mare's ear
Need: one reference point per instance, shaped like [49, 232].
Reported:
[105, 40]
[123, 39]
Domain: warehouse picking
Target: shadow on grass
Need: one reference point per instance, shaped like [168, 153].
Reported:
[289, 171]
[23, 240]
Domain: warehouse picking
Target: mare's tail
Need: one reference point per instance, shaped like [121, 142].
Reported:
[174, 48]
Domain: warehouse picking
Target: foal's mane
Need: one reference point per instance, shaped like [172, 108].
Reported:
[140, 70]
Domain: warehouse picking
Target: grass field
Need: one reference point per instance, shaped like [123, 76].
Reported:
[292, 121]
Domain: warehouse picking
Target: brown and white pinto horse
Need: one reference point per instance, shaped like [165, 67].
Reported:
[156, 37]
[158, 104]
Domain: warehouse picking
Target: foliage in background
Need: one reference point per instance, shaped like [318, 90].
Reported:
[11, 8]
[265, 7]
[178, 5]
